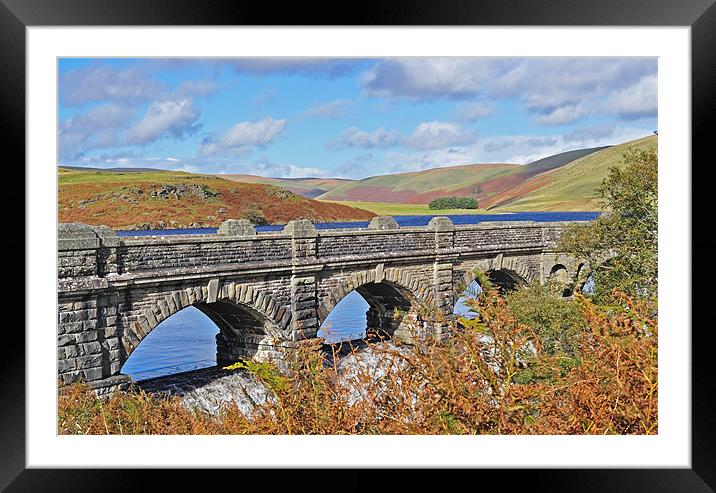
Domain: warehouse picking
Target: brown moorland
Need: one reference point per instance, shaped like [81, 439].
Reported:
[168, 199]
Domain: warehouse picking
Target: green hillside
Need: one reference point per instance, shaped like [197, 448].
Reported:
[567, 188]
[422, 186]
[479, 180]
[308, 187]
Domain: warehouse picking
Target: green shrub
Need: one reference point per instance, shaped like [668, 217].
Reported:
[557, 322]
[453, 203]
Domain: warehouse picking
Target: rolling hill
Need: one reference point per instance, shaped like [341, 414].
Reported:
[570, 187]
[169, 199]
[479, 180]
[308, 187]
[422, 186]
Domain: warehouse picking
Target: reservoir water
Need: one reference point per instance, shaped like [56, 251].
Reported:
[186, 340]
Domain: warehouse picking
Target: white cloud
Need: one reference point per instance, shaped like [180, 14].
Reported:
[636, 101]
[427, 135]
[561, 115]
[245, 135]
[102, 83]
[355, 137]
[257, 133]
[97, 128]
[470, 112]
[332, 109]
[437, 134]
[196, 88]
[169, 117]
[427, 78]
[553, 90]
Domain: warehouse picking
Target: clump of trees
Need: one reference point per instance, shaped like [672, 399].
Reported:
[453, 203]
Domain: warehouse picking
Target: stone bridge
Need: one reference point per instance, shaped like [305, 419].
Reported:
[268, 292]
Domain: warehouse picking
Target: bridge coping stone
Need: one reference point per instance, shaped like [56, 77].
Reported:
[79, 236]
[383, 223]
[236, 227]
[301, 228]
[441, 223]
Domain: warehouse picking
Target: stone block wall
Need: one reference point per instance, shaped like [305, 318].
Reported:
[267, 292]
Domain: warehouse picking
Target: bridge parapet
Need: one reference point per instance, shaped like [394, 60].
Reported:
[96, 251]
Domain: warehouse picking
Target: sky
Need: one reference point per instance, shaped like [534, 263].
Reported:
[349, 118]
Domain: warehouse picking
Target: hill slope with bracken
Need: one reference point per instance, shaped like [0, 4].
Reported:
[168, 199]
[422, 186]
[568, 188]
[308, 187]
[479, 180]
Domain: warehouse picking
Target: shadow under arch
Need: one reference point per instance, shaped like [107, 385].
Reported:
[393, 308]
[558, 274]
[243, 328]
[506, 279]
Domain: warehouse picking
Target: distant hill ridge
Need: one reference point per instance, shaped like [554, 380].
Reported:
[570, 187]
[420, 187]
[117, 170]
[308, 187]
[557, 160]
[563, 182]
[496, 186]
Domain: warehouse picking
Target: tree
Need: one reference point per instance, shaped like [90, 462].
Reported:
[622, 244]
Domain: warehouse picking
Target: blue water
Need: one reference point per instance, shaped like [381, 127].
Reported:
[187, 340]
[347, 321]
[405, 221]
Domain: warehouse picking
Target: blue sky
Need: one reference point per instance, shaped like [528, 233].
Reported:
[297, 117]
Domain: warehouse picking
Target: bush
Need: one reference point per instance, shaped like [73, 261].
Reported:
[558, 322]
[494, 376]
[622, 244]
[453, 203]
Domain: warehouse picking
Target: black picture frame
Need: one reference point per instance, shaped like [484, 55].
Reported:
[700, 15]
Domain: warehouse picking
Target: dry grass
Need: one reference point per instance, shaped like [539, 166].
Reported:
[130, 201]
[491, 377]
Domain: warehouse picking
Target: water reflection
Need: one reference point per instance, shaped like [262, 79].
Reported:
[462, 308]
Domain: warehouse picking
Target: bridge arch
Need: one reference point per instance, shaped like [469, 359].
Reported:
[410, 286]
[243, 314]
[560, 275]
[388, 292]
[504, 279]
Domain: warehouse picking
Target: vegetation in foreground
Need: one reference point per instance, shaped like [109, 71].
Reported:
[622, 244]
[494, 376]
[530, 363]
[158, 200]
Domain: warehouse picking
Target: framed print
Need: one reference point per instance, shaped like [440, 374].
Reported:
[256, 170]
